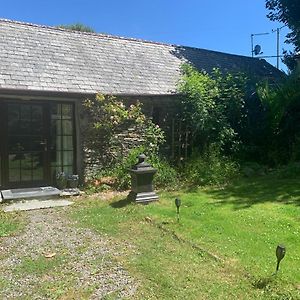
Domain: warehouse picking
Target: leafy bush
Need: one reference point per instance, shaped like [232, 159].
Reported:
[210, 168]
[282, 106]
[291, 170]
[113, 130]
[166, 176]
[250, 169]
[212, 106]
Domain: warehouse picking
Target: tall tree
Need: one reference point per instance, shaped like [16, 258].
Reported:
[77, 27]
[287, 12]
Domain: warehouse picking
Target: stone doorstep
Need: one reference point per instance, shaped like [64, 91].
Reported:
[33, 204]
[30, 193]
[42, 193]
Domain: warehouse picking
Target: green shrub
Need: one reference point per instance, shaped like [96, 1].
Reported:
[166, 176]
[120, 172]
[213, 107]
[210, 168]
[113, 130]
[250, 169]
[291, 170]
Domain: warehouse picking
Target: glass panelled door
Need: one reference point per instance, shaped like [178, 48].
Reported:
[38, 143]
[27, 144]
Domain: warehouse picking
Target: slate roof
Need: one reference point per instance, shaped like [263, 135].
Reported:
[42, 58]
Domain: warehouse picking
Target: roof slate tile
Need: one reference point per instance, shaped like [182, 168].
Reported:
[38, 57]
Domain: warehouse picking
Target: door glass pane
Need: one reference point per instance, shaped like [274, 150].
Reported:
[25, 143]
[14, 161]
[26, 161]
[26, 112]
[26, 175]
[36, 113]
[37, 173]
[25, 127]
[14, 175]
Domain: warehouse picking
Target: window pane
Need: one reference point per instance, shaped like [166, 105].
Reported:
[56, 111]
[68, 169]
[66, 111]
[67, 142]
[67, 128]
[56, 158]
[68, 157]
[56, 127]
[61, 144]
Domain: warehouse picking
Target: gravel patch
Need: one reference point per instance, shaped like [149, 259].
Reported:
[80, 261]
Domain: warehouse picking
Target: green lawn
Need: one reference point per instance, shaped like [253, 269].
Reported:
[223, 247]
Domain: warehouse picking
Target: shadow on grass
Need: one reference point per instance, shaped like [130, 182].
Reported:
[263, 283]
[248, 192]
[121, 203]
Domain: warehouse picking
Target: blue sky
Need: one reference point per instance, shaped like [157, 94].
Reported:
[216, 24]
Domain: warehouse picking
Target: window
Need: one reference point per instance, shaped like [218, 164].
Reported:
[62, 140]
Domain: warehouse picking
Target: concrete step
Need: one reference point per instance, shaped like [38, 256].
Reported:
[35, 204]
[45, 192]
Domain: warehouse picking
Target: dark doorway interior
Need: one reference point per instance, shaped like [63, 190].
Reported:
[37, 141]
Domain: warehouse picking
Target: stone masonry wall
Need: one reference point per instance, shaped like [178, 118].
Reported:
[162, 109]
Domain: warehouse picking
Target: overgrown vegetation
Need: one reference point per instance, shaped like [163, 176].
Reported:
[231, 126]
[282, 106]
[210, 168]
[212, 106]
[116, 135]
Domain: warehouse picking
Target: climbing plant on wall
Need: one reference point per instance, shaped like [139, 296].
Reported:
[114, 129]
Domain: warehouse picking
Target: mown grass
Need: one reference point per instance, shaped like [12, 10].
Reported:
[222, 248]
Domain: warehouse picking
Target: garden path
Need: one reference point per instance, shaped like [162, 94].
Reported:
[55, 259]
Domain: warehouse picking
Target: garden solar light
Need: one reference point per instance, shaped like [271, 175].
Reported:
[177, 203]
[280, 253]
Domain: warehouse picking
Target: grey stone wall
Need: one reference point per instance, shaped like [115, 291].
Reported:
[163, 110]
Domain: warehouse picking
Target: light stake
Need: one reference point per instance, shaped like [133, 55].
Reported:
[280, 253]
[177, 203]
